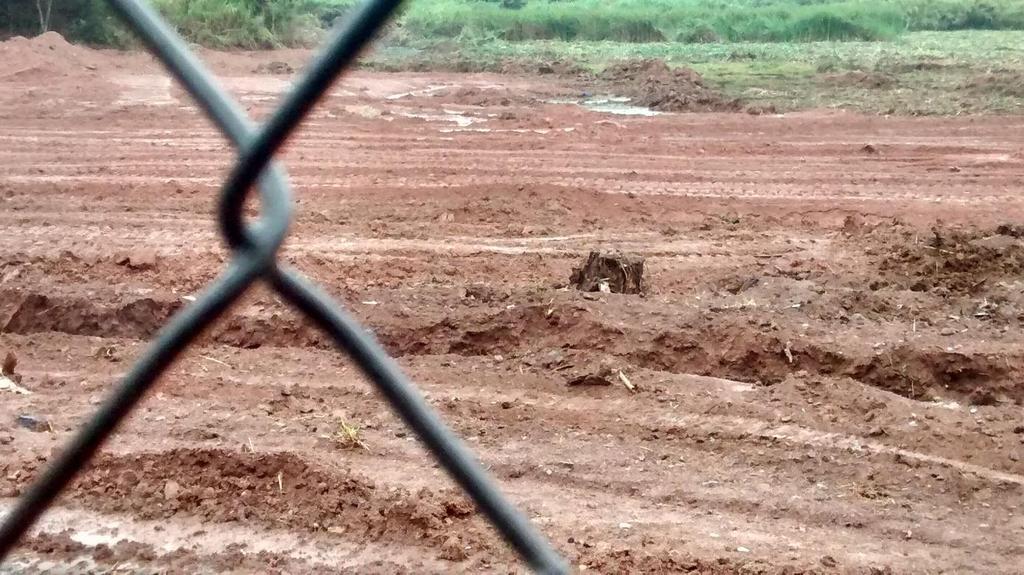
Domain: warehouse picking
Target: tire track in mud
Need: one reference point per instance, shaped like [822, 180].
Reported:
[750, 190]
[276, 490]
[640, 496]
[553, 402]
[655, 513]
[738, 173]
[605, 175]
[647, 511]
[729, 347]
[183, 543]
[810, 472]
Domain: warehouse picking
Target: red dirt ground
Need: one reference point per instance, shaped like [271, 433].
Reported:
[827, 359]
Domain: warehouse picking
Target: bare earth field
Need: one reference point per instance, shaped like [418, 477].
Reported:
[827, 361]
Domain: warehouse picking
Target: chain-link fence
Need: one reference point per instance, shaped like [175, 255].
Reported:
[255, 249]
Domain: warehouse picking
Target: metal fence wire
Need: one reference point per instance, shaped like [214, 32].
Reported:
[254, 248]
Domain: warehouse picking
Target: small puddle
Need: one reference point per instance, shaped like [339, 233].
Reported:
[423, 92]
[459, 119]
[618, 105]
[93, 538]
[507, 130]
[145, 90]
[364, 111]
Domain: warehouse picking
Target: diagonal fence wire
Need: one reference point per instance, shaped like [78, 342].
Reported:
[255, 249]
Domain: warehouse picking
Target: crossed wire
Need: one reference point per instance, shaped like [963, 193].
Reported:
[255, 246]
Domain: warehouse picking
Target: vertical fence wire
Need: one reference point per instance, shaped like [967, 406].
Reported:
[254, 248]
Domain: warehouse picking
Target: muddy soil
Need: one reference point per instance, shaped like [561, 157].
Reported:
[823, 368]
[999, 82]
[858, 78]
[652, 83]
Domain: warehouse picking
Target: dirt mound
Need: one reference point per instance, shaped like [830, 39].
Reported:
[49, 72]
[273, 488]
[730, 346]
[276, 67]
[46, 55]
[557, 67]
[622, 558]
[474, 96]
[1002, 83]
[640, 70]
[654, 84]
[961, 262]
[923, 65]
[34, 313]
[860, 79]
[62, 549]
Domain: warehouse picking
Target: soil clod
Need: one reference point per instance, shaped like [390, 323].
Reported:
[9, 364]
[593, 373]
[276, 67]
[140, 259]
[33, 423]
[610, 272]
[452, 549]
[959, 261]
[601, 377]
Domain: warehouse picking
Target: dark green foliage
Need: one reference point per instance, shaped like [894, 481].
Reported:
[658, 20]
[268, 23]
[944, 15]
[82, 20]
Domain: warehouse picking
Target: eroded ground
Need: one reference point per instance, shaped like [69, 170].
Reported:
[827, 361]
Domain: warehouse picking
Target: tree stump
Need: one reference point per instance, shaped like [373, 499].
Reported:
[610, 272]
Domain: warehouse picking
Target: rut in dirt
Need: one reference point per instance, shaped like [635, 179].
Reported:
[737, 346]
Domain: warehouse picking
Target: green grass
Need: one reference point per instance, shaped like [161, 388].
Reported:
[247, 24]
[268, 23]
[705, 21]
[949, 15]
[216, 23]
[975, 47]
[655, 20]
[923, 73]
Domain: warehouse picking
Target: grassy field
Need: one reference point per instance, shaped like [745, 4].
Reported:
[655, 20]
[879, 56]
[919, 57]
[267, 23]
[919, 73]
[703, 21]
